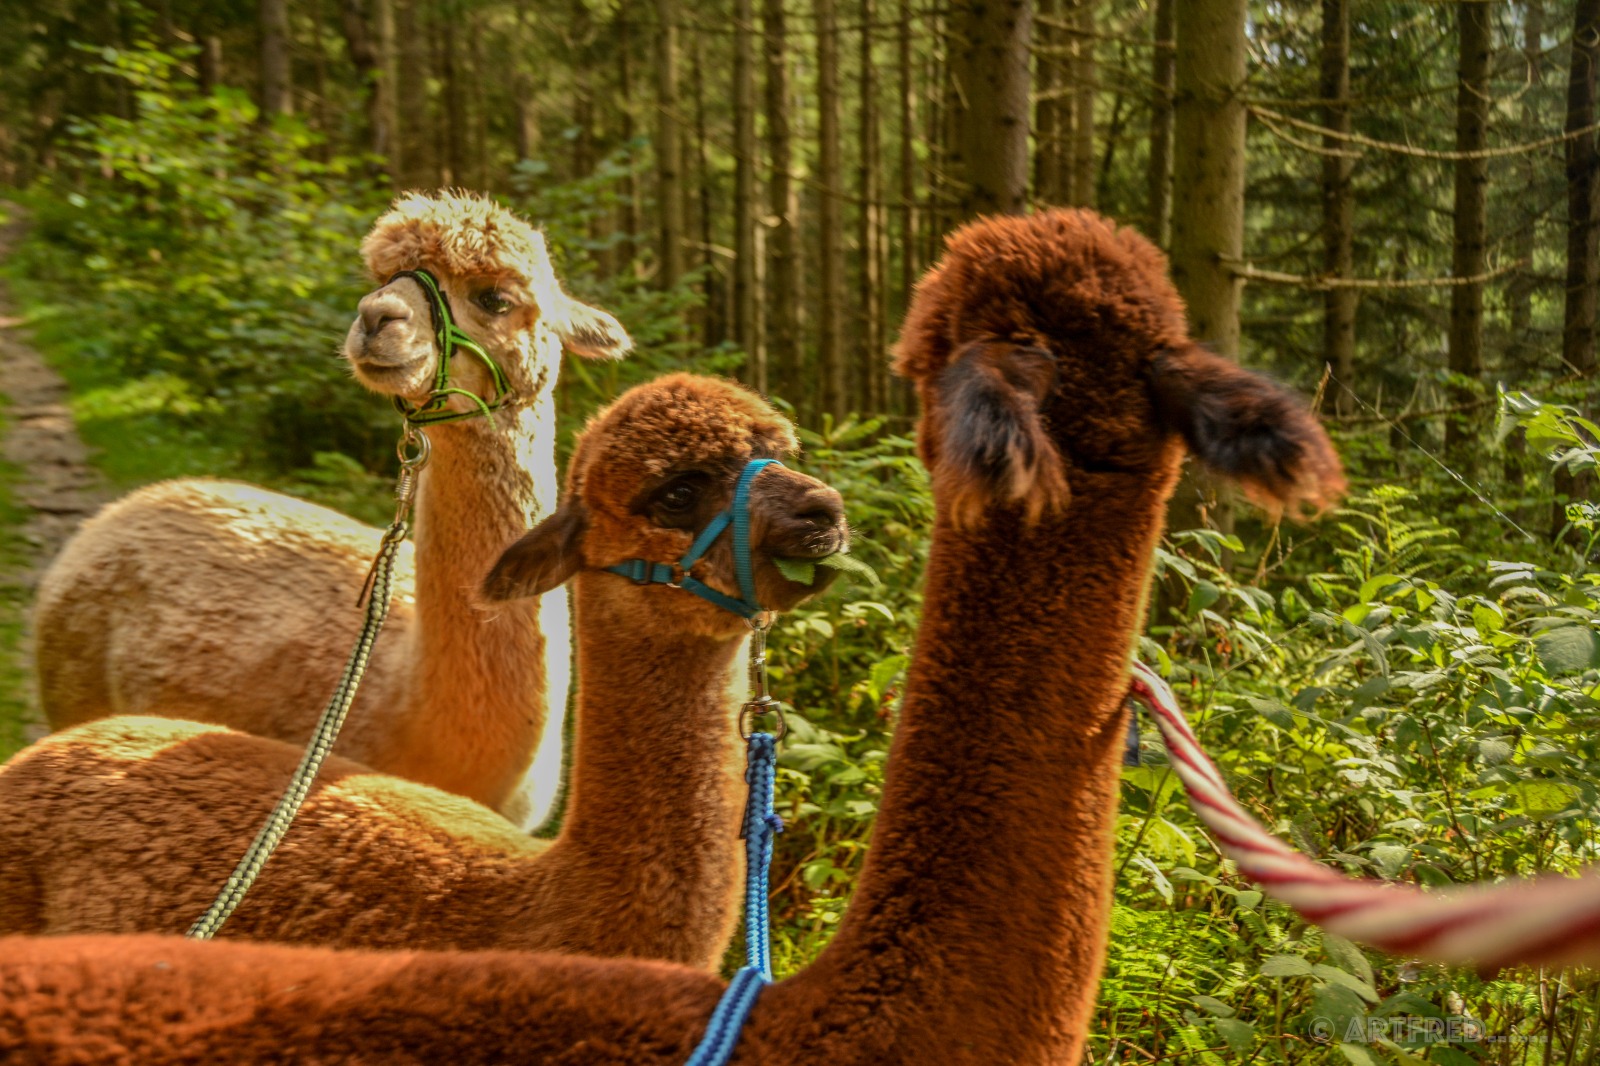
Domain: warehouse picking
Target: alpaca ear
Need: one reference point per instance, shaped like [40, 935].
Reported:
[591, 332]
[995, 447]
[1247, 427]
[545, 558]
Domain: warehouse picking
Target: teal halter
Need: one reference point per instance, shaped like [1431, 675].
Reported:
[644, 572]
[449, 337]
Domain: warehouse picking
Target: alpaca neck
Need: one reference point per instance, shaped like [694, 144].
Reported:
[481, 681]
[655, 732]
[979, 920]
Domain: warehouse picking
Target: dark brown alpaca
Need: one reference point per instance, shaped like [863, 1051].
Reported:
[131, 824]
[1058, 390]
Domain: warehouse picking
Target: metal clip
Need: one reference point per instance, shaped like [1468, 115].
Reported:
[413, 451]
[761, 702]
[758, 709]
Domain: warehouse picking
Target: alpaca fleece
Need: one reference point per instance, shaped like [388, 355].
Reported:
[976, 932]
[227, 603]
[131, 824]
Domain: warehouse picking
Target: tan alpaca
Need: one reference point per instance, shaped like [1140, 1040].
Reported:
[224, 602]
[131, 824]
[1059, 387]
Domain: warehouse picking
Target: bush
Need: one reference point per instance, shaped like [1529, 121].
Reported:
[194, 242]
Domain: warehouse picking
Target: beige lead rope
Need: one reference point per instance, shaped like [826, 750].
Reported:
[376, 591]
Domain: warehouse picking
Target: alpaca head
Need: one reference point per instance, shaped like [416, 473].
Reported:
[1051, 349]
[649, 472]
[493, 269]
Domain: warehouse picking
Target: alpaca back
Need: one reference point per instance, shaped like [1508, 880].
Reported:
[220, 602]
[131, 825]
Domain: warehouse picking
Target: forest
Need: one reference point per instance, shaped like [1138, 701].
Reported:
[1393, 205]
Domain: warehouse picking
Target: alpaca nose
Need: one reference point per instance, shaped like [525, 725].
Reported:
[379, 309]
[809, 522]
[820, 508]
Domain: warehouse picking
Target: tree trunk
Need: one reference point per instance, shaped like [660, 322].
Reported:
[937, 123]
[317, 114]
[909, 261]
[783, 268]
[869, 219]
[830, 173]
[1583, 237]
[631, 210]
[523, 85]
[669, 148]
[746, 327]
[437, 136]
[1519, 290]
[416, 164]
[1208, 166]
[1583, 251]
[715, 324]
[209, 63]
[369, 37]
[989, 70]
[277, 92]
[1471, 185]
[1158, 179]
[1338, 305]
[477, 98]
[1051, 117]
[1208, 207]
[455, 105]
[386, 140]
[1083, 93]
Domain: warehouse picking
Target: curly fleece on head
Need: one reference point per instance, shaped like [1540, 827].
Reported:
[677, 420]
[462, 234]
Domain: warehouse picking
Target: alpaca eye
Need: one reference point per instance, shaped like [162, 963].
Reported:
[679, 497]
[493, 301]
[674, 503]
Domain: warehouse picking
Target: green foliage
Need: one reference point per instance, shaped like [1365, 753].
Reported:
[192, 245]
[1416, 709]
[15, 598]
[840, 661]
[605, 271]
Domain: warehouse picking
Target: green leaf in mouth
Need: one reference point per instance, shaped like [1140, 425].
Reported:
[804, 571]
[800, 571]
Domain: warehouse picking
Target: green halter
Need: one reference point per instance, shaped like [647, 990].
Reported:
[449, 338]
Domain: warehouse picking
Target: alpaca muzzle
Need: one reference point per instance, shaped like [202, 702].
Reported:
[450, 338]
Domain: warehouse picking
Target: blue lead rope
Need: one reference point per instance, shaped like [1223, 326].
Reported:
[760, 825]
[644, 572]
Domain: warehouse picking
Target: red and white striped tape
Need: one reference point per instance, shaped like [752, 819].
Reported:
[1550, 920]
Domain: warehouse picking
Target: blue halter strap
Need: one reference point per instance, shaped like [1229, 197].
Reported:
[644, 572]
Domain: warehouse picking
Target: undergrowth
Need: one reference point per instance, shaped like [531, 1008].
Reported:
[15, 677]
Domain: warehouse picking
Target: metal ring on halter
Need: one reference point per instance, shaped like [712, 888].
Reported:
[759, 710]
[415, 438]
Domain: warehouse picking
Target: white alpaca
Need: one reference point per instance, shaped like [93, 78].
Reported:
[227, 603]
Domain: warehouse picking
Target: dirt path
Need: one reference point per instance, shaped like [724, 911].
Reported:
[55, 486]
